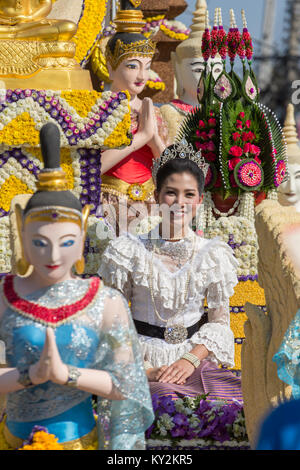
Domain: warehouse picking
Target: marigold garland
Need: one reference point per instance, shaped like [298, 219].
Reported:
[10, 188]
[43, 441]
[82, 101]
[89, 28]
[172, 34]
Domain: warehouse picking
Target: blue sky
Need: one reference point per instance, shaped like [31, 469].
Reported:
[254, 12]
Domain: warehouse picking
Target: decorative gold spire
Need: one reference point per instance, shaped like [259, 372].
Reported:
[291, 136]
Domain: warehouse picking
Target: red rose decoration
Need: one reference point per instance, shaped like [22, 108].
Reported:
[203, 135]
[247, 147]
[239, 124]
[236, 136]
[236, 151]
[242, 115]
[248, 123]
[233, 162]
[258, 160]
[201, 124]
[248, 136]
[255, 150]
[211, 146]
[212, 122]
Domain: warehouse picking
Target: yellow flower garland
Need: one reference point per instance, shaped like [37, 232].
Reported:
[10, 188]
[81, 100]
[156, 85]
[89, 27]
[171, 34]
[119, 132]
[43, 441]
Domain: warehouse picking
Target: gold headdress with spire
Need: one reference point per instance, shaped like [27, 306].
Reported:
[291, 136]
[52, 202]
[129, 22]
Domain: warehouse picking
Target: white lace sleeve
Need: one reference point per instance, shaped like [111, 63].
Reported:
[221, 278]
[117, 264]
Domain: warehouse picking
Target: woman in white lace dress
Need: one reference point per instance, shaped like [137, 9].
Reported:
[166, 275]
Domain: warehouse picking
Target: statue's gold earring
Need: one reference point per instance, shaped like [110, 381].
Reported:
[22, 266]
[80, 264]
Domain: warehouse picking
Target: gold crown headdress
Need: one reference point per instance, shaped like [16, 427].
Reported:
[129, 21]
[179, 150]
[52, 202]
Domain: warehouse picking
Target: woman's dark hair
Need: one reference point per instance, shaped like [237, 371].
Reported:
[180, 165]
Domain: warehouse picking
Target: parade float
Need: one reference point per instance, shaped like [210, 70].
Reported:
[50, 84]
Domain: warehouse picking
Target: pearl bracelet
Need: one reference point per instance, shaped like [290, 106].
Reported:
[194, 360]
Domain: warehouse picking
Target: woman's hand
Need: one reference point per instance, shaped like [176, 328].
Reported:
[154, 373]
[50, 365]
[177, 373]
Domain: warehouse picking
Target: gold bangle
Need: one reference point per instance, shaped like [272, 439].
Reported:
[194, 360]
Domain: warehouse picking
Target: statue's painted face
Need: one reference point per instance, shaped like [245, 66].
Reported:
[190, 70]
[52, 248]
[131, 74]
[289, 190]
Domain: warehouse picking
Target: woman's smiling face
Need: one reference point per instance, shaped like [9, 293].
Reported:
[179, 198]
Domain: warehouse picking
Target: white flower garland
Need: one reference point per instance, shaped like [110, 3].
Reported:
[13, 167]
[5, 250]
[244, 236]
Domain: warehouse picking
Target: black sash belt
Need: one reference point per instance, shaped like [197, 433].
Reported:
[158, 331]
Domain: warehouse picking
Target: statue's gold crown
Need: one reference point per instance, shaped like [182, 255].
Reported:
[142, 48]
[53, 179]
[53, 214]
[179, 150]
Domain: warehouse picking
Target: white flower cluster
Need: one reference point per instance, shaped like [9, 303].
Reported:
[5, 250]
[99, 235]
[147, 224]
[242, 231]
[197, 443]
[13, 167]
[76, 173]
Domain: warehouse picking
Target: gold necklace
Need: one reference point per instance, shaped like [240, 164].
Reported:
[176, 333]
